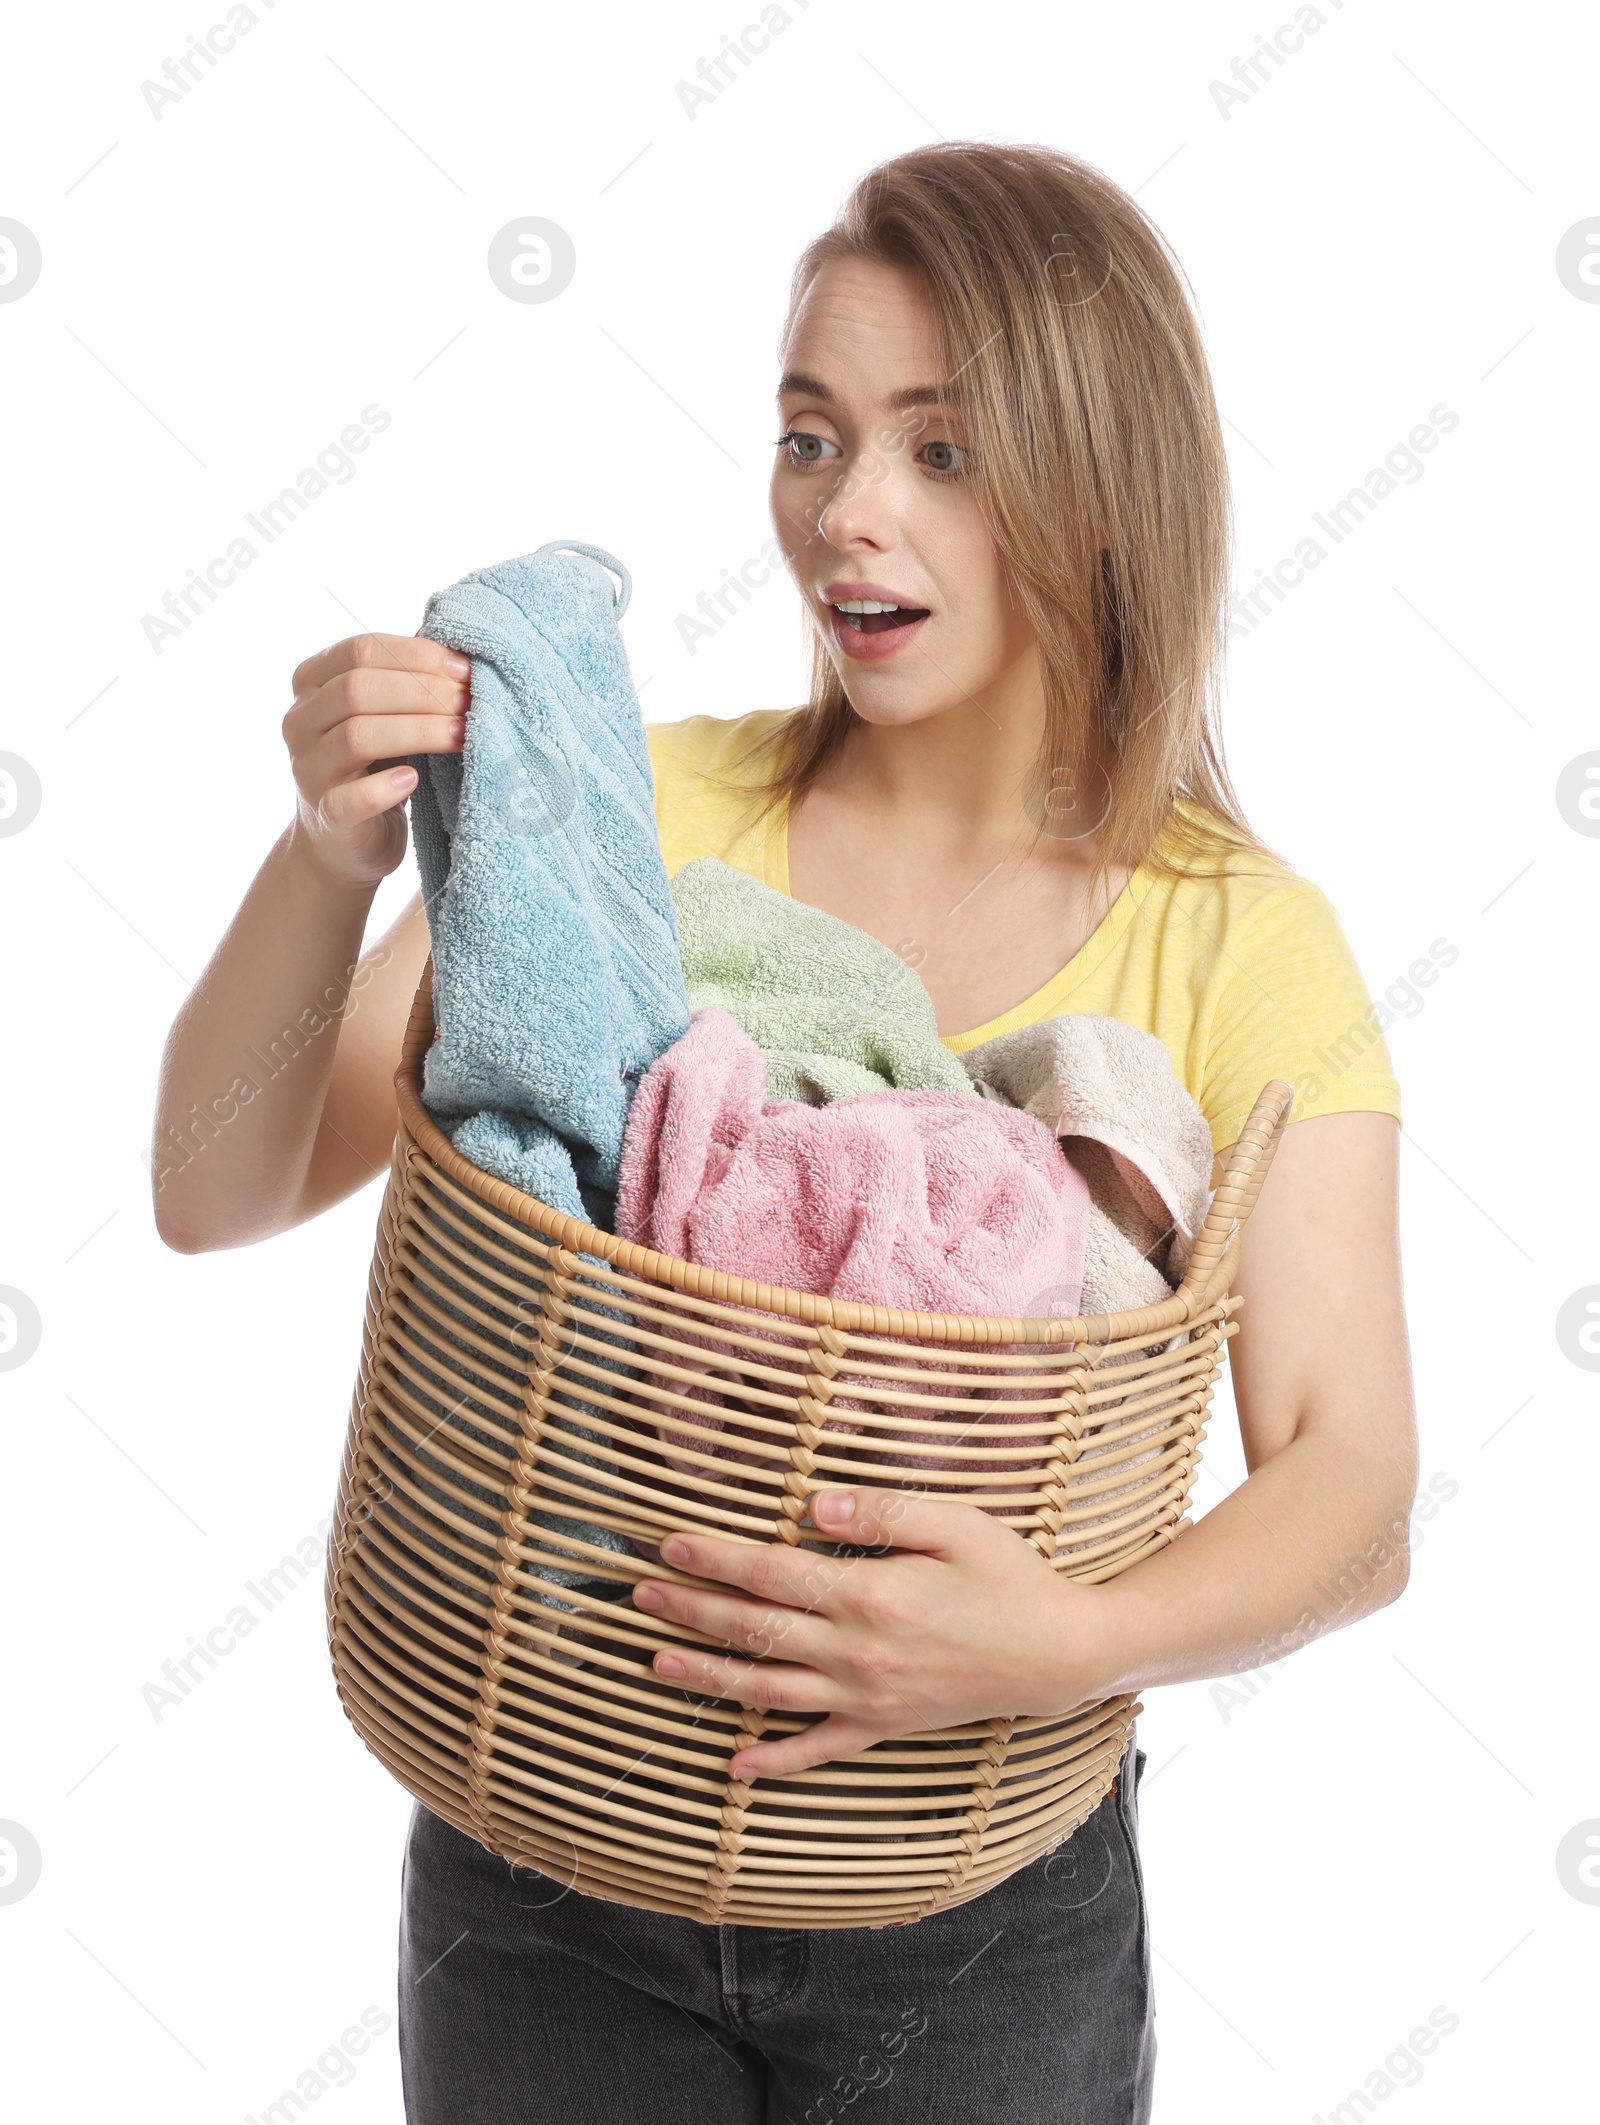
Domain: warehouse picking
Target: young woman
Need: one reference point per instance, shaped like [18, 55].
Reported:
[1000, 488]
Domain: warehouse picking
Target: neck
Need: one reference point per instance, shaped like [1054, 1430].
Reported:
[956, 779]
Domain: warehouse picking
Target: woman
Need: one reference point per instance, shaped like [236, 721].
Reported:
[1001, 492]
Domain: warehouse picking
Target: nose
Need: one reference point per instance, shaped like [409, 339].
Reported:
[864, 506]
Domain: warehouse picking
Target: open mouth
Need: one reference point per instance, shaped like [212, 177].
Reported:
[871, 628]
[868, 617]
[879, 620]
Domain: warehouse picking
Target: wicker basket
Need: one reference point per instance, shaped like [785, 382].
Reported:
[517, 1371]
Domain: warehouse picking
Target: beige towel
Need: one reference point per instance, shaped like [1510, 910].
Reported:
[1110, 1093]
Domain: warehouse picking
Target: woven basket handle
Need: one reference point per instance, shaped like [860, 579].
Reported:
[419, 1029]
[1212, 1263]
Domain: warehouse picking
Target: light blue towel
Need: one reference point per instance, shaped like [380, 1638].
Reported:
[556, 979]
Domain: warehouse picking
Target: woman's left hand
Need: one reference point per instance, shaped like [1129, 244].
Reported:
[967, 1622]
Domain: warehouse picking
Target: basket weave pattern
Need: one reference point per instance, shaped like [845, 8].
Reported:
[527, 1381]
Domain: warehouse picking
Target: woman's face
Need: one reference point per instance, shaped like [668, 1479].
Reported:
[873, 505]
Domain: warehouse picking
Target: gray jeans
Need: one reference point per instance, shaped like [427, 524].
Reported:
[523, 2002]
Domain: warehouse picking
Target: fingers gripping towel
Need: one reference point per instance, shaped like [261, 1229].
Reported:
[556, 977]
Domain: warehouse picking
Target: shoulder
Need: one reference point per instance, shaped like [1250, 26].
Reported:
[1240, 894]
[705, 768]
[1263, 961]
[707, 746]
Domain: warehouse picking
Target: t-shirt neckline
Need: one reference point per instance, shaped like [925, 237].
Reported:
[1101, 940]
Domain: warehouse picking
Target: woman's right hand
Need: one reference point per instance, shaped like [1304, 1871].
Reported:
[359, 709]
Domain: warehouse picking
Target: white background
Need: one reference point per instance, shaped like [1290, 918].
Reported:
[225, 287]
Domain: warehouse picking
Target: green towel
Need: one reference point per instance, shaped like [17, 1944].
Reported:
[833, 1011]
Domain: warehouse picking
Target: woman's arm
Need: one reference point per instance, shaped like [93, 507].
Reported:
[275, 1097]
[966, 1622]
[1317, 1536]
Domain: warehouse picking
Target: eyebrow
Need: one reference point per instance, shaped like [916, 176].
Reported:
[793, 384]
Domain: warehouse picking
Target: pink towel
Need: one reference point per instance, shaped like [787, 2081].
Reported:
[931, 1201]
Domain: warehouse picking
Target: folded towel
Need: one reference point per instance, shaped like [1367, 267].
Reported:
[1109, 1091]
[556, 980]
[930, 1201]
[833, 1011]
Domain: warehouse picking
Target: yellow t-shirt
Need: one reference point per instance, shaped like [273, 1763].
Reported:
[1245, 977]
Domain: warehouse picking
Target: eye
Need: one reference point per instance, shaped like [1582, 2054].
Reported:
[945, 460]
[805, 448]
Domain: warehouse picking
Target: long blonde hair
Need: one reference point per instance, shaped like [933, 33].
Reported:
[1100, 470]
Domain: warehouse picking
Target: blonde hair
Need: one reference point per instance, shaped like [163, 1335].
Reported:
[1100, 470]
